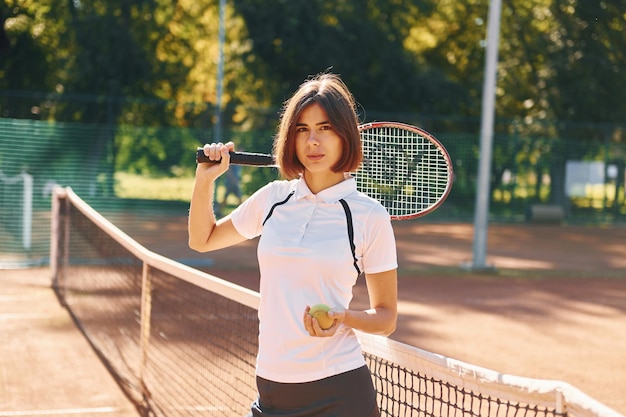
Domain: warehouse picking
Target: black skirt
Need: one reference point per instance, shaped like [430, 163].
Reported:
[350, 394]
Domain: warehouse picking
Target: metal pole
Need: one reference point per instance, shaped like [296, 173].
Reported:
[481, 215]
[55, 234]
[217, 127]
[27, 210]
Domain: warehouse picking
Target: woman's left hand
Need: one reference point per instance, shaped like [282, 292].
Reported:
[313, 327]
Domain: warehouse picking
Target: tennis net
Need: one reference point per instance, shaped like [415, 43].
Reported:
[181, 342]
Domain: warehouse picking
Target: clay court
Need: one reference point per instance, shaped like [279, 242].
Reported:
[553, 307]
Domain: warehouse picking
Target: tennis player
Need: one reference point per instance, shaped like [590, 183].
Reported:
[317, 235]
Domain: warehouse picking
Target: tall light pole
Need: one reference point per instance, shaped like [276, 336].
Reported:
[481, 214]
[217, 127]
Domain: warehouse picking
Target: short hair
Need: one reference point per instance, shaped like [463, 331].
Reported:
[330, 92]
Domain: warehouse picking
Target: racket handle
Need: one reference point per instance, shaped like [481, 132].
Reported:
[240, 158]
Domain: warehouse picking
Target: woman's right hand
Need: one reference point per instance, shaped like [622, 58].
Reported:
[205, 232]
[215, 152]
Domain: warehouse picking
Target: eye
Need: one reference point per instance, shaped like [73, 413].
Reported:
[300, 129]
[326, 127]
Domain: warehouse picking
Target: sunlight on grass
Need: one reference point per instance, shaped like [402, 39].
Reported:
[153, 188]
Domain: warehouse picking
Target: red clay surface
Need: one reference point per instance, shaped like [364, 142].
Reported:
[553, 308]
[47, 367]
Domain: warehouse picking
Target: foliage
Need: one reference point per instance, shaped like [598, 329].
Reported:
[558, 60]
[153, 63]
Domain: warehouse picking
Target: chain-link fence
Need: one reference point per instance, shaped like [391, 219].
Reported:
[571, 174]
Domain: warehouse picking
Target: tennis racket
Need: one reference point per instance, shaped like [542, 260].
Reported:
[404, 167]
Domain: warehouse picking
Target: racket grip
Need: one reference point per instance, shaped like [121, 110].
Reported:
[239, 158]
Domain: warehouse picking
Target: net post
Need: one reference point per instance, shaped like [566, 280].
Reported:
[559, 407]
[146, 310]
[54, 236]
[66, 243]
[59, 234]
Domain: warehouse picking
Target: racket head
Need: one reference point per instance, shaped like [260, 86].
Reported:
[405, 168]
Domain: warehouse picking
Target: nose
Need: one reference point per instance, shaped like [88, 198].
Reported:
[313, 139]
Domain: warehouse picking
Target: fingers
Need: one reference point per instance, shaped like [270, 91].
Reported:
[217, 151]
[308, 321]
[313, 327]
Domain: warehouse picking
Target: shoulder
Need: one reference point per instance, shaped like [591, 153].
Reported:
[273, 188]
[269, 194]
[248, 217]
[278, 189]
[367, 206]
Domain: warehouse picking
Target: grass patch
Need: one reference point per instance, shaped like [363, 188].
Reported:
[144, 187]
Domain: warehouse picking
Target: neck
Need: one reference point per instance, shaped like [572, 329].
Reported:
[318, 182]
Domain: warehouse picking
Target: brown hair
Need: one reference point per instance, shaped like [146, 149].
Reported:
[329, 91]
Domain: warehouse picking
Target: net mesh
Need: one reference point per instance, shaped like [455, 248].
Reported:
[403, 169]
[197, 352]
[183, 343]
[407, 392]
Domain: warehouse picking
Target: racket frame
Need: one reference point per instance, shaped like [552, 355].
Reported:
[267, 160]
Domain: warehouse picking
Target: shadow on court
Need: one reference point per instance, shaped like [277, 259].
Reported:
[554, 308]
[47, 367]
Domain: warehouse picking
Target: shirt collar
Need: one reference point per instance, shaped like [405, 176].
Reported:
[329, 195]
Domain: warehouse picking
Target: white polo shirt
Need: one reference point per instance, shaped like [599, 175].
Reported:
[305, 259]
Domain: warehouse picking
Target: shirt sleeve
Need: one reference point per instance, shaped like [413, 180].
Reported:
[380, 247]
[248, 217]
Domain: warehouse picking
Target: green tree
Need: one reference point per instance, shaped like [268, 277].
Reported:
[363, 41]
[25, 44]
[153, 63]
[564, 62]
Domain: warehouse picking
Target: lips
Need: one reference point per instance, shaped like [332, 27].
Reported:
[315, 157]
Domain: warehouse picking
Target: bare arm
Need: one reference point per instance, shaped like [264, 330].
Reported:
[380, 318]
[205, 232]
[382, 315]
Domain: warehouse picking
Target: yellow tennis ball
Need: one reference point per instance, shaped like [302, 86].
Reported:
[320, 313]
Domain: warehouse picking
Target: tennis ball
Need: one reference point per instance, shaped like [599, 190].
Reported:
[320, 313]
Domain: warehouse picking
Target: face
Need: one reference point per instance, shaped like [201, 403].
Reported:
[318, 147]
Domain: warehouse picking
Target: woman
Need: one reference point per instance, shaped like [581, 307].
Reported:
[317, 234]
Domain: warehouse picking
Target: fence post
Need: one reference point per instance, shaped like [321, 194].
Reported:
[27, 210]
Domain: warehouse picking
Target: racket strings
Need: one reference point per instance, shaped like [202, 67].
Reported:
[403, 169]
